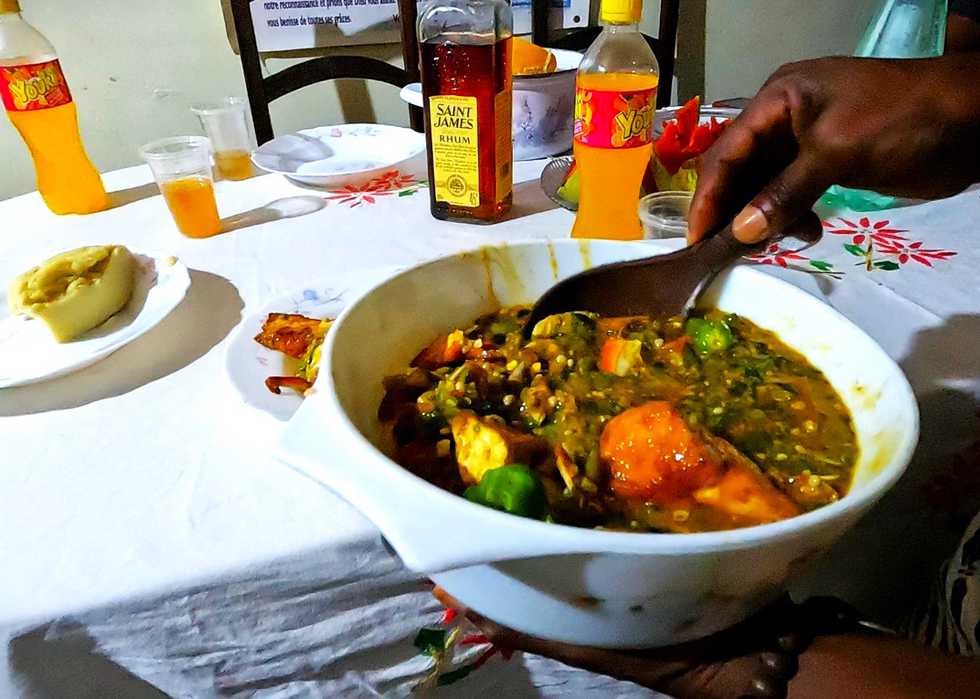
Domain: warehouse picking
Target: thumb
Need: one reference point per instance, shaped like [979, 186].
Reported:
[786, 199]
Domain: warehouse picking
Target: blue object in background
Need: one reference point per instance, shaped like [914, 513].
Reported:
[905, 29]
[899, 29]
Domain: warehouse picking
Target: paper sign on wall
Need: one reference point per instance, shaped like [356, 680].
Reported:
[288, 25]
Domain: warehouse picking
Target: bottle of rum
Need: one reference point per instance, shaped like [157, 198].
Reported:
[466, 87]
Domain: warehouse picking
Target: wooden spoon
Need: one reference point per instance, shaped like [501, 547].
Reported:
[659, 286]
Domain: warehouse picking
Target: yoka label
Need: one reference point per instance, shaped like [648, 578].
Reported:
[613, 118]
[34, 86]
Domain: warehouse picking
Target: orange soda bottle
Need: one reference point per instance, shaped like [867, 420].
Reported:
[615, 101]
[36, 96]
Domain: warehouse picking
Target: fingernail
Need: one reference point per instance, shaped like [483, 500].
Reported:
[750, 226]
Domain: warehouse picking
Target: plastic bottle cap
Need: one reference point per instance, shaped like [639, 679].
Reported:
[9, 5]
[621, 11]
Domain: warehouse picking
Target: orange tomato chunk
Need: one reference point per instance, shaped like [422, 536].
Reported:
[653, 455]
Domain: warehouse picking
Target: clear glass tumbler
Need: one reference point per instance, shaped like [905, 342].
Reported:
[182, 169]
[664, 214]
[226, 123]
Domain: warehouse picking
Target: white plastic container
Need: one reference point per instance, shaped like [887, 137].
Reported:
[543, 107]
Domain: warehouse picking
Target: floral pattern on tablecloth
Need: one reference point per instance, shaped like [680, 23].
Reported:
[776, 254]
[391, 183]
[440, 643]
[882, 247]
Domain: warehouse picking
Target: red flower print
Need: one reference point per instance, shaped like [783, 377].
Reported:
[441, 642]
[787, 259]
[775, 255]
[390, 182]
[905, 252]
[872, 240]
[864, 229]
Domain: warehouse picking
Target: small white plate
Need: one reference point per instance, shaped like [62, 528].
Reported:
[249, 364]
[332, 156]
[29, 353]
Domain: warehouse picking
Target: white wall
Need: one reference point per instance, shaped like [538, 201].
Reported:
[135, 66]
[746, 40]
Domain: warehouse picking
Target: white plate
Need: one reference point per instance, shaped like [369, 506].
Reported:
[28, 352]
[332, 156]
[249, 364]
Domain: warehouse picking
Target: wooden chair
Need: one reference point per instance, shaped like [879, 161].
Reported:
[263, 90]
[664, 44]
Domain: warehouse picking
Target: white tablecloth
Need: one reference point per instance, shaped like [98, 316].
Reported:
[149, 540]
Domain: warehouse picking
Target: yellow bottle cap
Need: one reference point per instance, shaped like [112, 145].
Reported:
[9, 5]
[621, 11]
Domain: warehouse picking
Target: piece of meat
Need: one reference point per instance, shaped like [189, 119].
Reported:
[423, 458]
[744, 491]
[483, 445]
[291, 333]
[443, 351]
[401, 391]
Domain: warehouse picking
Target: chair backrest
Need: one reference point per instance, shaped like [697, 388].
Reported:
[664, 45]
[262, 90]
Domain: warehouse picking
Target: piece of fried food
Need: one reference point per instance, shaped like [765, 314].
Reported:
[291, 333]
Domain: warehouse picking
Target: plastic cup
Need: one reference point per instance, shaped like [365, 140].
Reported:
[226, 124]
[664, 214]
[182, 168]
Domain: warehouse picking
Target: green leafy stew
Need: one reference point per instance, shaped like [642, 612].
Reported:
[637, 424]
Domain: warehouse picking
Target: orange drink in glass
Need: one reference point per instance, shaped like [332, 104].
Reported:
[234, 164]
[182, 169]
[192, 204]
[226, 124]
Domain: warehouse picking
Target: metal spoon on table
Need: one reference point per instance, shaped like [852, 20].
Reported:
[659, 286]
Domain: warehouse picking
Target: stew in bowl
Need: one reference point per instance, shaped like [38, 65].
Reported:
[631, 424]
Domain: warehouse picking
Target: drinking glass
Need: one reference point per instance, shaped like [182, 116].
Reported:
[182, 169]
[226, 124]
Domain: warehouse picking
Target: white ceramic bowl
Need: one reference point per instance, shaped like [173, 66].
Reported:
[570, 584]
[542, 111]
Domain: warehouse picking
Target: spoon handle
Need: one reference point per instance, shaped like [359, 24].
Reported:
[713, 255]
[722, 249]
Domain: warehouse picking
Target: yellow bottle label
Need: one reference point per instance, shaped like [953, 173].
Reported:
[33, 86]
[455, 150]
[504, 145]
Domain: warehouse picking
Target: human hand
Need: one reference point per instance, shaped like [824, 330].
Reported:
[906, 128]
[756, 658]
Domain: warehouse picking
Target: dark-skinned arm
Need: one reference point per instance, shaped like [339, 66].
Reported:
[901, 127]
[735, 663]
[963, 26]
